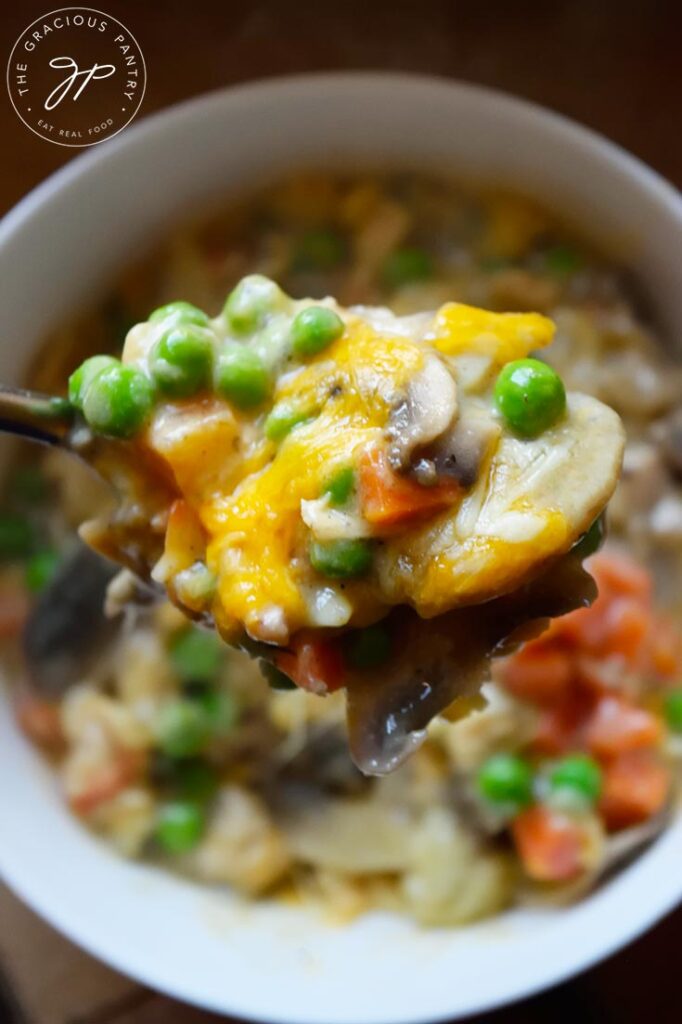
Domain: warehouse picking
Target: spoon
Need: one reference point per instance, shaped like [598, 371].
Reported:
[36, 416]
[125, 538]
[455, 532]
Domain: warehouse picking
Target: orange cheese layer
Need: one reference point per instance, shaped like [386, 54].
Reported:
[247, 490]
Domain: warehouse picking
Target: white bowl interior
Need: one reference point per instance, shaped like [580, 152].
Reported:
[62, 244]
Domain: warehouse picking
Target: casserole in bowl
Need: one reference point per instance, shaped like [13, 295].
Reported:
[475, 135]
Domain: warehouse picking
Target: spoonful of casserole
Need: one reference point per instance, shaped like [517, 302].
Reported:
[358, 499]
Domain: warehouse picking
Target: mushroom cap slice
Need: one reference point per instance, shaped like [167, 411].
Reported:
[530, 504]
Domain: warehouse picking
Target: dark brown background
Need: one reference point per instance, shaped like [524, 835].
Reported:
[613, 66]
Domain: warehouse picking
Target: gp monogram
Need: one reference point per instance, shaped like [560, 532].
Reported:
[76, 76]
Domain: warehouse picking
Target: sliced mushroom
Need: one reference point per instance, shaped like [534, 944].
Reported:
[461, 451]
[452, 878]
[447, 657]
[535, 496]
[427, 409]
[327, 833]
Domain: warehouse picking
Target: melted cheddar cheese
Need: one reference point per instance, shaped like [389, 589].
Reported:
[258, 503]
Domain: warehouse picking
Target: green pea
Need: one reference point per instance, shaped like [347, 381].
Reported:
[368, 648]
[673, 709]
[562, 260]
[407, 266]
[251, 302]
[506, 780]
[282, 420]
[241, 376]
[577, 775]
[179, 313]
[196, 655]
[182, 728]
[16, 537]
[341, 559]
[340, 486]
[530, 395]
[29, 485]
[274, 676]
[40, 569]
[181, 360]
[81, 379]
[313, 329]
[180, 825]
[118, 401]
[592, 539]
[321, 249]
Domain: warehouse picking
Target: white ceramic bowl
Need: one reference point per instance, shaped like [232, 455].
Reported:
[272, 962]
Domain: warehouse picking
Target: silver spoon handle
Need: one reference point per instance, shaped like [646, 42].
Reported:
[34, 415]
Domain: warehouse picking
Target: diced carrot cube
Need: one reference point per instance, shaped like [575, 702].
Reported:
[389, 500]
[665, 651]
[550, 845]
[635, 788]
[537, 673]
[617, 727]
[628, 623]
[313, 664]
[560, 726]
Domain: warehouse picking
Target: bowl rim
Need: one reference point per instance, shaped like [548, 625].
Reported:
[655, 895]
[83, 162]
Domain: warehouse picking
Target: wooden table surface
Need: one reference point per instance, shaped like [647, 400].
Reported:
[613, 66]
